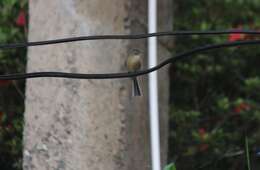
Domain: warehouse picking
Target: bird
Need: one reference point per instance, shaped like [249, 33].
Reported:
[133, 64]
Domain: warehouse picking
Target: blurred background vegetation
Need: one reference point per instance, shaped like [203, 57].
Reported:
[214, 96]
[13, 28]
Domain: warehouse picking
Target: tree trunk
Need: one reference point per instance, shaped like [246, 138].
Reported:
[89, 124]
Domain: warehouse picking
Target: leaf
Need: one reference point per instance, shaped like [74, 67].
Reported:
[9, 2]
[170, 167]
[223, 103]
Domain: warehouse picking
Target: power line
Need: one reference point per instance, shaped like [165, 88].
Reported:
[179, 57]
[125, 37]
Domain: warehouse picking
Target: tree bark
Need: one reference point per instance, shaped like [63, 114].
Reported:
[89, 124]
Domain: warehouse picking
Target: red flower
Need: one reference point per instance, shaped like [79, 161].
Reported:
[237, 109]
[245, 106]
[242, 107]
[202, 133]
[235, 36]
[203, 147]
[21, 19]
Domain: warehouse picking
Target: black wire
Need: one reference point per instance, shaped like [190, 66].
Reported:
[127, 74]
[128, 37]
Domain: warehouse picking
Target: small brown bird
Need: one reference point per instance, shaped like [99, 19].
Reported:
[134, 63]
[134, 60]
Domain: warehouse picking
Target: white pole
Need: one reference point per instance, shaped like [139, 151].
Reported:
[153, 88]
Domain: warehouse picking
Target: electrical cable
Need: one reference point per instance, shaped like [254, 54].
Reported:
[125, 37]
[128, 74]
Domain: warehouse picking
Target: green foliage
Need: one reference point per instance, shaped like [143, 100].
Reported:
[215, 96]
[170, 167]
[11, 92]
